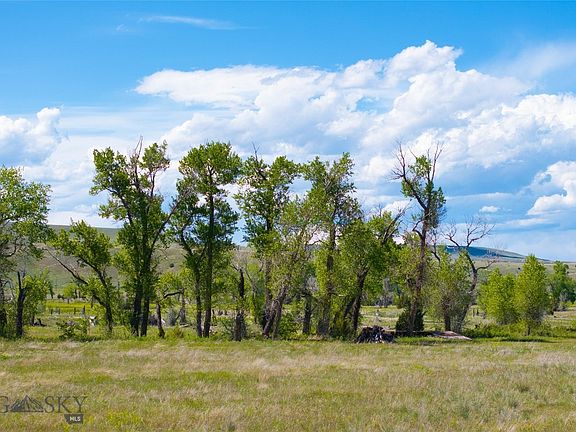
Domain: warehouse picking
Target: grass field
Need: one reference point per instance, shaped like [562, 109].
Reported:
[187, 385]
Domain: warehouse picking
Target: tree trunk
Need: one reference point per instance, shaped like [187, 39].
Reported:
[360, 280]
[20, 307]
[209, 270]
[239, 325]
[324, 322]
[267, 291]
[109, 318]
[182, 313]
[273, 323]
[136, 310]
[3, 315]
[161, 332]
[306, 324]
[416, 303]
[447, 322]
[145, 315]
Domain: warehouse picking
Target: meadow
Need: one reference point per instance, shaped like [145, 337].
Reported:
[186, 384]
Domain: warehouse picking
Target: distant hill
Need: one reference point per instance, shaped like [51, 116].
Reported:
[483, 253]
[111, 232]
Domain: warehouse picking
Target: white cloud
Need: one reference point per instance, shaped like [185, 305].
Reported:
[561, 175]
[540, 60]
[210, 24]
[489, 209]
[23, 140]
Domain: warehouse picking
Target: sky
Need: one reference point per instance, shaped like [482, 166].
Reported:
[493, 82]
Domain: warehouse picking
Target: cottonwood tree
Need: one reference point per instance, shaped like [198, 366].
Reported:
[169, 286]
[86, 254]
[331, 195]
[496, 297]
[30, 292]
[562, 287]
[367, 251]
[205, 229]
[448, 290]
[473, 231]
[292, 253]
[417, 179]
[23, 227]
[531, 296]
[134, 199]
[264, 193]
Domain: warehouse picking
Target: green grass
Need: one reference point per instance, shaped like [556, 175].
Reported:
[189, 385]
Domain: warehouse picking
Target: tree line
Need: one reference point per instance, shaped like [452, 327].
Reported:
[318, 251]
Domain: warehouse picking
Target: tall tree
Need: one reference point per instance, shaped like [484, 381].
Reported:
[332, 197]
[23, 226]
[474, 231]
[292, 253]
[91, 253]
[496, 297]
[208, 229]
[531, 296]
[448, 291]
[562, 287]
[417, 180]
[134, 199]
[264, 193]
[368, 249]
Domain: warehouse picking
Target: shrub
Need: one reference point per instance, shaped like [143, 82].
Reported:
[73, 329]
[403, 322]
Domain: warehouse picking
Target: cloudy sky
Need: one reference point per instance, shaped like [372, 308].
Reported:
[494, 82]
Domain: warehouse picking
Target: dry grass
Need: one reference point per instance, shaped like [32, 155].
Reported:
[188, 385]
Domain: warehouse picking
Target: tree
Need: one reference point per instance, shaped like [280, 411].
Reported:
[562, 287]
[531, 296]
[206, 230]
[87, 256]
[30, 292]
[23, 226]
[133, 198]
[417, 180]
[496, 297]
[168, 286]
[474, 231]
[331, 195]
[291, 253]
[367, 249]
[262, 198]
[449, 296]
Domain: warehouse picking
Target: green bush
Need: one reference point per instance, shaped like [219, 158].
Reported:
[73, 329]
[404, 320]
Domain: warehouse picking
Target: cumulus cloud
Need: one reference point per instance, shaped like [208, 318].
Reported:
[418, 96]
[489, 209]
[561, 175]
[24, 140]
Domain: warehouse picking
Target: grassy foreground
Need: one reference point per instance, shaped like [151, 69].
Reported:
[186, 385]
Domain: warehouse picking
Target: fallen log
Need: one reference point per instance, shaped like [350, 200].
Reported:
[375, 334]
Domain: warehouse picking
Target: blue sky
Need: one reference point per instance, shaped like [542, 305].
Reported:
[493, 81]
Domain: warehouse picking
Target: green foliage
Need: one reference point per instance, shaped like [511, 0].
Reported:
[133, 198]
[89, 254]
[403, 323]
[448, 295]
[73, 328]
[562, 287]
[531, 296]
[205, 222]
[70, 291]
[264, 192]
[496, 297]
